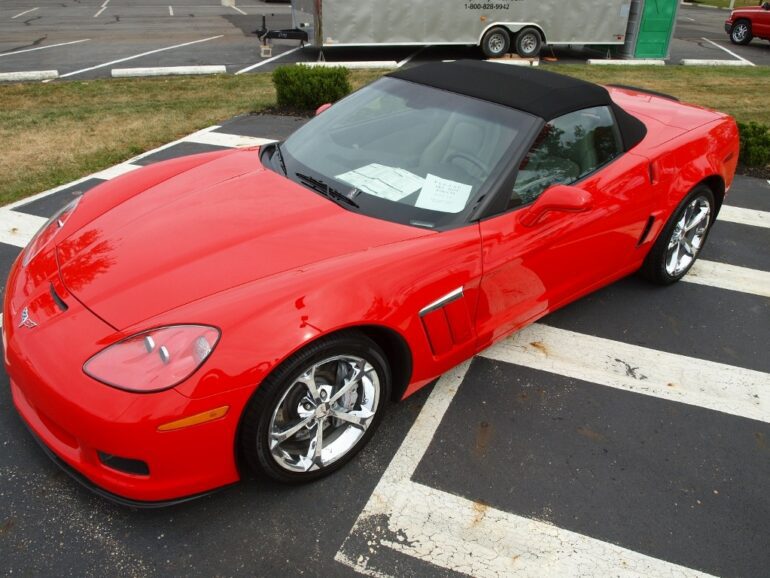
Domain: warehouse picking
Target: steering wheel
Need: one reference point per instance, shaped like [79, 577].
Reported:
[472, 160]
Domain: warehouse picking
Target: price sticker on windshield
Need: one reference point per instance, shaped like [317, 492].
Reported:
[443, 195]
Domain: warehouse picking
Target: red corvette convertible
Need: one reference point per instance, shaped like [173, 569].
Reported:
[260, 307]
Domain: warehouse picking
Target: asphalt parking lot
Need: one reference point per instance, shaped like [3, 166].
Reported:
[84, 39]
[627, 434]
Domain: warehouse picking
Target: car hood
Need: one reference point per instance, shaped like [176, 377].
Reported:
[208, 229]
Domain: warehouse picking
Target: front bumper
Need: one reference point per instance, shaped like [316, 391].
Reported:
[729, 27]
[101, 492]
[80, 420]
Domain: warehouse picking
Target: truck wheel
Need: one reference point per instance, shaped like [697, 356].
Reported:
[528, 43]
[741, 33]
[496, 42]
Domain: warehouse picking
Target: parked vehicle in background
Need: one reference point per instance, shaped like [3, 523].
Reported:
[747, 23]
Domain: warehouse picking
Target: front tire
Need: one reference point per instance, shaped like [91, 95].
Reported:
[682, 239]
[496, 42]
[741, 32]
[317, 409]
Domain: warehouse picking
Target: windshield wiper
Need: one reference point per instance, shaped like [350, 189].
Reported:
[323, 188]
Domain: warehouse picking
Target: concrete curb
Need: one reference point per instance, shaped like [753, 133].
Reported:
[354, 64]
[515, 61]
[168, 71]
[698, 62]
[28, 75]
[629, 62]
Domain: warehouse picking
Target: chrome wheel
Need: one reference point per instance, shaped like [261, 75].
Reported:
[740, 32]
[688, 236]
[324, 413]
[497, 43]
[528, 43]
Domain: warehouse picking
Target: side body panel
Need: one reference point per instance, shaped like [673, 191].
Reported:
[530, 271]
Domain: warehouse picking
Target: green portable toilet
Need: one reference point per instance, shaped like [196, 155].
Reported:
[651, 26]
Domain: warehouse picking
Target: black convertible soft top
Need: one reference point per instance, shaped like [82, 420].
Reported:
[540, 93]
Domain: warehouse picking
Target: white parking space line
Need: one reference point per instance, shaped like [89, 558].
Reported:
[730, 52]
[744, 216]
[234, 7]
[175, 46]
[170, 11]
[471, 538]
[273, 59]
[18, 228]
[707, 384]
[730, 277]
[44, 47]
[23, 13]
[412, 55]
[102, 8]
[226, 140]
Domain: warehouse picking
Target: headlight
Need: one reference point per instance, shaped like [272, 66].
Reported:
[154, 360]
[46, 234]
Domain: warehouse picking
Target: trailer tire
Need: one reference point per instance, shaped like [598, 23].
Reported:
[496, 42]
[529, 42]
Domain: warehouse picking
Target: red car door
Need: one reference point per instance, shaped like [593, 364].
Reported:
[533, 264]
[760, 23]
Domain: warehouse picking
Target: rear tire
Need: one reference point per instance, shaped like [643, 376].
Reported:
[529, 42]
[741, 32]
[682, 239]
[496, 42]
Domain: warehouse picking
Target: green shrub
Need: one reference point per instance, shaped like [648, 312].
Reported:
[755, 144]
[308, 87]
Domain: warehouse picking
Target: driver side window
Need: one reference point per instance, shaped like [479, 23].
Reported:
[567, 149]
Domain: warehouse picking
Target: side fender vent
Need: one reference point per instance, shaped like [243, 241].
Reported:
[646, 231]
[447, 322]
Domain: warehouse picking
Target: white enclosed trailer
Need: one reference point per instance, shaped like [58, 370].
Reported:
[523, 26]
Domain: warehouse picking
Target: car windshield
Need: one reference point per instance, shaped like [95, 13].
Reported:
[406, 152]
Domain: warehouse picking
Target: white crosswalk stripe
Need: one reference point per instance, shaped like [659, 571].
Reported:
[700, 382]
[744, 216]
[18, 228]
[226, 140]
[731, 277]
[471, 538]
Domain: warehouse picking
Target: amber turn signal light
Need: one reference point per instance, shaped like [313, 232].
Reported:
[196, 419]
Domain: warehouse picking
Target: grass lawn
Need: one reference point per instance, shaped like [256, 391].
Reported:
[57, 132]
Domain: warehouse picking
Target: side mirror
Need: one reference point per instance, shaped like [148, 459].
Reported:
[322, 108]
[558, 198]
